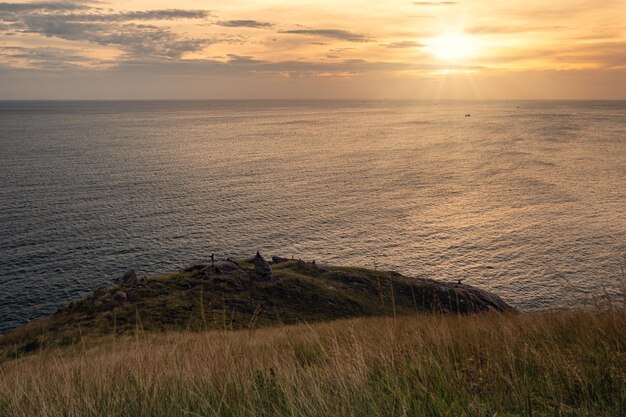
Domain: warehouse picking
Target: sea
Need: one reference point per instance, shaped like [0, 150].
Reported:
[523, 198]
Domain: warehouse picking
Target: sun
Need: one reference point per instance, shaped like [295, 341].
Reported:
[452, 47]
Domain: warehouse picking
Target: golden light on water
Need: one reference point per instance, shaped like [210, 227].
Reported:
[453, 47]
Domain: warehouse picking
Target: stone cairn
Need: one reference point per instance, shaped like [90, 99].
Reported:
[263, 269]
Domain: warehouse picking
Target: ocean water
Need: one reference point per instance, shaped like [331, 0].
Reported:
[527, 199]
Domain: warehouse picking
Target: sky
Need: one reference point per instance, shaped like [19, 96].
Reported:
[348, 49]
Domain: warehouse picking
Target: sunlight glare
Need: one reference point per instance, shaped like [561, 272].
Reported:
[453, 47]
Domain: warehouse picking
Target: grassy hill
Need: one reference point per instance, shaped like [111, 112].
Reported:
[298, 339]
[235, 295]
[542, 364]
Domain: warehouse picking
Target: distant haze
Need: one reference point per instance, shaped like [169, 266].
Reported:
[479, 49]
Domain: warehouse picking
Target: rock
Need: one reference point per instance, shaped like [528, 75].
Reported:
[279, 260]
[488, 299]
[120, 296]
[262, 268]
[222, 268]
[468, 299]
[129, 278]
[227, 266]
[227, 272]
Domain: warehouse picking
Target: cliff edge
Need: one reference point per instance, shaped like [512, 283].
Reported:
[228, 294]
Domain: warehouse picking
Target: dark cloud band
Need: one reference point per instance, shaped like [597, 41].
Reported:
[244, 24]
[330, 33]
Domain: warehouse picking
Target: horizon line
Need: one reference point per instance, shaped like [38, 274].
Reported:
[297, 99]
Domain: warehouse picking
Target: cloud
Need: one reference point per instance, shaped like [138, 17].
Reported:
[243, 59]
[89, 13]
[608, 55]
[487, 29]
[248, 66]
[143, 40]
[77, 22]
[599, 55]
[45, 58]
[404, 44]
[548, 11]
[165, 14]
[41, 6]
[435, 3]
[244, 24]
[330, 33]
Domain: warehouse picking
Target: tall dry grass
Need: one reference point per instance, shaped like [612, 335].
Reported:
[543, 364]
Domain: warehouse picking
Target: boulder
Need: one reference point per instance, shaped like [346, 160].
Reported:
[279, 260]
[129, 278]
[262, 269]
[120, 296]
[223, 268]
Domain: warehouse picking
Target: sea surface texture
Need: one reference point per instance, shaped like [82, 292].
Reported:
[527, 199]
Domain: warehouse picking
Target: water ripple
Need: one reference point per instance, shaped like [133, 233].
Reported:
[528, 201]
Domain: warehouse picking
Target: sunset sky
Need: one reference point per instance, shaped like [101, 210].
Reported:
[465, 49]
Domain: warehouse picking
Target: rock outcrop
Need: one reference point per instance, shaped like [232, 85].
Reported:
[129, 278]
[279, 260]
[463, 298]
[227, 271]
[223, 267]
[262, 269]
[490, 300]
[251, 293]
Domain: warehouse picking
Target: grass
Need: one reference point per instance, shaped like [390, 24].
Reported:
[534, 364]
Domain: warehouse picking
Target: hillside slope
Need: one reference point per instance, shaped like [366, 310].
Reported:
[546, 364]
[245, 294]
